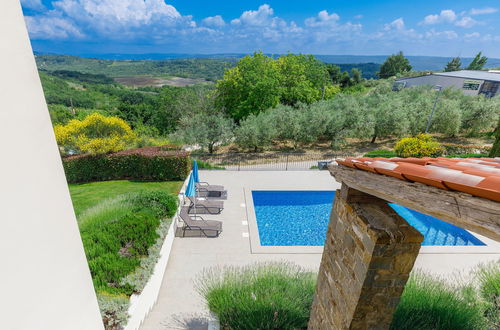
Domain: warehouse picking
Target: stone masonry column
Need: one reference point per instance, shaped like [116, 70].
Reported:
[369, 253]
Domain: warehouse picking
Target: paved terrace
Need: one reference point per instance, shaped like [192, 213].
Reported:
[180, 307]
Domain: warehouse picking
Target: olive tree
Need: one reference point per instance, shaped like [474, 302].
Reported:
[206, 130]
[448, 117]
[389, 115]
[479, 114]
[256, 131]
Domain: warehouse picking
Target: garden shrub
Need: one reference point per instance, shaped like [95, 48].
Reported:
[160, 203]
[428, 303]
[420, 146]
[114, 246]
[145, 164]
[96, 134]
[114, 310]
[118, 233]
[488, 276]
[259, 296]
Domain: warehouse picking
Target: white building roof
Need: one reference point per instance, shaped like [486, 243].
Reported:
[470, 74]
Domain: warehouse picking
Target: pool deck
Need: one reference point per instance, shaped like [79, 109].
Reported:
[179, 306]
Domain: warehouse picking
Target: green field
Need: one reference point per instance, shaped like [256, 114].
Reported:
[87, 195]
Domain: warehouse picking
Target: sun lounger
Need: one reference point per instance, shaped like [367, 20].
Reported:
[198, 223]
[210, 191]
[204, 206]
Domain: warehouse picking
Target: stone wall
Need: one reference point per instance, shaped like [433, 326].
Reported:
[369, 253]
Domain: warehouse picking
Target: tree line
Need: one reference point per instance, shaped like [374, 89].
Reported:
[263, 100]
[378, 113]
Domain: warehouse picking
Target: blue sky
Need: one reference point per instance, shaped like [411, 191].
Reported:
[362, 27]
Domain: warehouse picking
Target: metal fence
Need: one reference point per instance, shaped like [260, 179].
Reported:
[265, 161]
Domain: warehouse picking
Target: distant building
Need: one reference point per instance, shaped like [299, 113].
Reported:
[470, 82]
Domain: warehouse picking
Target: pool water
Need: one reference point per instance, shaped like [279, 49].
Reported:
[300, 218]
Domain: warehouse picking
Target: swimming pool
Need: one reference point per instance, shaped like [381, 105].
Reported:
[300, 218]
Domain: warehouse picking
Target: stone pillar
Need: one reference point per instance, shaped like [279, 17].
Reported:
[369, 253]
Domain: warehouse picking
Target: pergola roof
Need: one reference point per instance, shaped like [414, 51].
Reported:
[463, 192]
[476, 176]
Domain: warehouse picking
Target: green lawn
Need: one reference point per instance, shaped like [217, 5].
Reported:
[86, 195]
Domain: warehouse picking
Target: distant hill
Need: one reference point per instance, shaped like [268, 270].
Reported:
[419, 63]
[368, 70]
[209, 69]
[212, 67]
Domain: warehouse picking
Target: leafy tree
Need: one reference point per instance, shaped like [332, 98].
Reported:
[345, 80]
[96, 134]
[172, 103]
[302, 78]
[334, 72]
[453, 65]
[388, 115]
[356, 75]
[495, 150]
[419, 102]
[259, 82]
[394, 65]
[207, 130]
[447, 118]
[479, 114]
[302, 124]
[478, 62]
[256, 131]
[250, 87]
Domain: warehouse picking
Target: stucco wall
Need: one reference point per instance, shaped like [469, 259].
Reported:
[46, 282]
[443, 81]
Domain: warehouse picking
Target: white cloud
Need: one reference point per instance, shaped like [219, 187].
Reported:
[472, 35]
[154, 23]
[397, 24]
[396, 30]
[483, 11]
[450, 17]
[261, 17]
[445, 16]
[449, 34]
[52, 28]
[466, 22]
[490, 38]
[323, 19]
[115, 19]
[215, 21]
[33, 4]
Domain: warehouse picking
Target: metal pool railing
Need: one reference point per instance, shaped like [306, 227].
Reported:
[265, 161]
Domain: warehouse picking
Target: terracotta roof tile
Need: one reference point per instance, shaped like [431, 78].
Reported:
[476, 176]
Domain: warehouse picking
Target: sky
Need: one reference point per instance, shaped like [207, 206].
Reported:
[361, 27]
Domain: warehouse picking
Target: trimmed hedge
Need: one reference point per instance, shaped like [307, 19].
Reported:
[143, 164]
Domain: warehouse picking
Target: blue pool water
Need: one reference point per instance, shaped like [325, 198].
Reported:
[300, 218]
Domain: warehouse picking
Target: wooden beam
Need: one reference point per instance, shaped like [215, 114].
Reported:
[473, 213]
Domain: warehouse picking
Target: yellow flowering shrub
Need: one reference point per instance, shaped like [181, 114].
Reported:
[421, 145]
[96, 134]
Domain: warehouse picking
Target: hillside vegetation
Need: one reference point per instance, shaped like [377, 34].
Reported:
[210, 69]
[264, 102]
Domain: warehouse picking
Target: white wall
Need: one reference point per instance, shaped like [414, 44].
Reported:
[444, 81]
[45, 279]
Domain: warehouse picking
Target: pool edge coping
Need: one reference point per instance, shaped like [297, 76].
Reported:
[491, 247]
